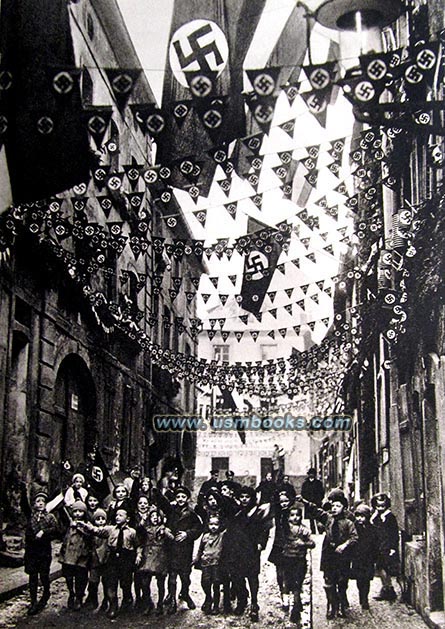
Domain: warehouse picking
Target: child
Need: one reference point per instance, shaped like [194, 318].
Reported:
[388, 561]
[208, 560]
[40, 530]
[186, 528]
[122, 546]
[340, 538]
[364, 554]
[297, 539]
[246, 535]
[75, 556]
[281, 508]
[92, 504]
[121, 501]
[153, 537]
[99, 557]
[77, 490]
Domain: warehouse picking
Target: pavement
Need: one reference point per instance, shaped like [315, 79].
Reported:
[382, 615]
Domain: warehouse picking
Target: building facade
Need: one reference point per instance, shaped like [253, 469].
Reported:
[394, 389]
[74, 373]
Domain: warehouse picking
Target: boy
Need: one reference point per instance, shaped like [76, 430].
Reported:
[75, 556]
[340, 538]
[297, 539]
[186, 527]
[388, 560]
[208, 560]
[40, 530]
[365, 553]
[246, 535]
[122, 547]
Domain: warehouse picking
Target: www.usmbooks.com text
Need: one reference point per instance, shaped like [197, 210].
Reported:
[176, 423]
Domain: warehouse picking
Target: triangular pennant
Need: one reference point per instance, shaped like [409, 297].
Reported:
[97, 119]
[180, 110]
[262, 110]
[264, 82]
[283, 332]
[122, 82]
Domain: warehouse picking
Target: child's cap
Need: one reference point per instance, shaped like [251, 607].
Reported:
[77, 476]
[362, 509]
[181, 489]
[99, 513]
[40, 493]
[381, 498]
[79, 506]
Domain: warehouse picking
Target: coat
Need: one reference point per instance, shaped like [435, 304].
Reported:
[345, 535]
[181, 519]
[387, 530]
[76, 548]
[154, 541]
[364, 553]
[312, 491]
[276, 554]
[38, 550]
[245, 531]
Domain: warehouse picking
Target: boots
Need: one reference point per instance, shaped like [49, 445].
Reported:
[297, 608]
[386, 594]
[92, 601]
[33, 609]
[343, 604]
[112, 610]
[207, 605]
[185, 596]
[332, 601]
[254, 609]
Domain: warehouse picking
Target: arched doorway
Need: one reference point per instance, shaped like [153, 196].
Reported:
[75, 415]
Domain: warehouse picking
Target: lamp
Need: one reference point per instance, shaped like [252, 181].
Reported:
[344, 15]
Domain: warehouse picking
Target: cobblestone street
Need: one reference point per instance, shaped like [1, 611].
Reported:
[382, 614]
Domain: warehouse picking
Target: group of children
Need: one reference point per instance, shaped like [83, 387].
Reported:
[145, 535]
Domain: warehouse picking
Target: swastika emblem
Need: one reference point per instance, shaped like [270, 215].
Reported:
[319, 79]
[316, 103]
[97, 474]
[426, 59]
[45, 125]
[201, 86]
[122, 83]
[364, 91]
[263, 84]
[413, 75]
[63, 83]
[199, 45]
[212, 119]
[376, 69]
[257, 265]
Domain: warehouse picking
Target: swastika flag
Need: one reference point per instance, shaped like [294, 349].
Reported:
[207, 46]
[259, 266]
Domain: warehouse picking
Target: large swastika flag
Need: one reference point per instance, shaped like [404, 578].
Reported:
[208, 43]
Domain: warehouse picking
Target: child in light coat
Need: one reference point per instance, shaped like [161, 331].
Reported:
[77, 490]
[208, 560]
[75, 556]
[153, 538]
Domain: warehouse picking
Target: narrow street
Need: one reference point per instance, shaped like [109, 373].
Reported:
[382, 615]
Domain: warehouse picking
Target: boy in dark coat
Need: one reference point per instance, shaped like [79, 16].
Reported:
[388, 560]
[312, 491]
[41, 529]
[339, 541]
[364, 553]
[246, 535]
[281, 508]
[186, 527]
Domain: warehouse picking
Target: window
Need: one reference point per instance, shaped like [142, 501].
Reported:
[220, 463]
[268, 351]
[221, 352]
